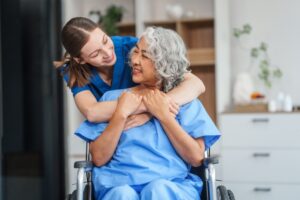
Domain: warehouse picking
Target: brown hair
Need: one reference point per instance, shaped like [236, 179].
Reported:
[74, 36]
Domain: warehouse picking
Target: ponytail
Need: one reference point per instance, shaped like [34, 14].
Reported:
[79, 74]
[74, 36]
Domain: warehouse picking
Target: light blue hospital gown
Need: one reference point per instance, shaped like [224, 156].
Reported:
[145, 165]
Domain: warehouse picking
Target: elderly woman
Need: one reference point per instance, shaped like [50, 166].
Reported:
[151, 161]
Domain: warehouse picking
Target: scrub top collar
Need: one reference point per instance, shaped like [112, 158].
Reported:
[117, 71]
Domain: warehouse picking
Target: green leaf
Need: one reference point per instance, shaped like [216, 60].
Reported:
[254, 52]
[247, 29]
[236, 32]
[277, 73]
[263, 46]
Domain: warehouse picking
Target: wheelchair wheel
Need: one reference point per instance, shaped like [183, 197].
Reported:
[222, 193]
[230, 194]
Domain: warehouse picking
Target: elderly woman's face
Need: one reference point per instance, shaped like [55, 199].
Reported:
[143, 68]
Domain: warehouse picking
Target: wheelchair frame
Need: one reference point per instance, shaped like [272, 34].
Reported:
[210, 190]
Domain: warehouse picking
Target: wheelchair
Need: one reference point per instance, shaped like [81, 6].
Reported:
[206, 172]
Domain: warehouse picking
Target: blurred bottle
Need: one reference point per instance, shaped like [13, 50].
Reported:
[288, 104]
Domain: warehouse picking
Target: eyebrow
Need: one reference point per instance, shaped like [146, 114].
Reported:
[143, 50]
[96, 49]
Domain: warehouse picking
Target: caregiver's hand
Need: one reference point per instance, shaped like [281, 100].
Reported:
[128, 104]
[137, 120]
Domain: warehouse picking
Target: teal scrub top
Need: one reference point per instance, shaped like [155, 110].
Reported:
[122, 77]
[145, 153]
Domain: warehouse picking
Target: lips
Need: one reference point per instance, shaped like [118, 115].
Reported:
[110, 59]
[136, 71]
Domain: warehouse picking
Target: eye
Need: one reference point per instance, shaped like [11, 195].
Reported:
[145, 56]
[135, 51]
[94, 55]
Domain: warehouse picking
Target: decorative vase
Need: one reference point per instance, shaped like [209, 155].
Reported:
[243, 88]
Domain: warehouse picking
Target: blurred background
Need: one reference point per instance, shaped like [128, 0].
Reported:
[245, 51]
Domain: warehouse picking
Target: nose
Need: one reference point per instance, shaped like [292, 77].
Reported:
[106, 52]
[135, 60]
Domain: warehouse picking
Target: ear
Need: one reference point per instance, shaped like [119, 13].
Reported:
[79, 61]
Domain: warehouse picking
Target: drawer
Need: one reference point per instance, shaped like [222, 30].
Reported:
[264, 191]
[260, 130]
[261, 166]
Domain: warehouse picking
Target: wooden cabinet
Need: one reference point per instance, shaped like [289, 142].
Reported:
[198, 35]
[260, 155]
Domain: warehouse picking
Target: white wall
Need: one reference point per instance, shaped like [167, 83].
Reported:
[277, 22]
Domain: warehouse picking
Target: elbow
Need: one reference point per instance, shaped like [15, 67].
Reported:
[98, 162]
[91, 116]
[196, 161]
[98, 158]
[202, 87]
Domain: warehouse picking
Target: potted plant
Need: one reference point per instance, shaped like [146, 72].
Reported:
[109, 21]
[259, 55]
[244, 92]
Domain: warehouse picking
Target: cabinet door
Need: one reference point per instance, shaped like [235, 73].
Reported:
[260, 130]
[261, 165]
[264, 192]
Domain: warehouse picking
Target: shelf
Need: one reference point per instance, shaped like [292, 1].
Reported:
[126, 28]
[201, 57]
[165, 24]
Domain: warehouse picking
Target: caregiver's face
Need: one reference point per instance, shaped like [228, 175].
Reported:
[143, 68]
[99, 50]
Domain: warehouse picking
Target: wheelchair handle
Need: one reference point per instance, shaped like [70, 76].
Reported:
[83, 164]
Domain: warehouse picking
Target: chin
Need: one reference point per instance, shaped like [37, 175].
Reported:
[136, 80]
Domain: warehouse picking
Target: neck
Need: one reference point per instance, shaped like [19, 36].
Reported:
[106, 74]
[140, 89]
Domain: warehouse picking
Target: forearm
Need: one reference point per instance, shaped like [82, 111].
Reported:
[103, 148]
[190, 88]
[186, 146]
[100, 111]
[103, 111]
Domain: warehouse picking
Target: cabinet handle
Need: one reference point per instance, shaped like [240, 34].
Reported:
[262, 189]
[261, 155]
[260, 120]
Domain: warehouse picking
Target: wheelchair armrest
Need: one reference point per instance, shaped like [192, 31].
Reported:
[211, 160]
[83, 164]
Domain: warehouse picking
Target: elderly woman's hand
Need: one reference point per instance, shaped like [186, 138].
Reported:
[137, 120]
[157, 103]
[128, 104]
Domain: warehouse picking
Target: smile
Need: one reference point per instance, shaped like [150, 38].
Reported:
[110, 59]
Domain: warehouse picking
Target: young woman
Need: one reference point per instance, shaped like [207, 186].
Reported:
[96, 63]
[151, 161]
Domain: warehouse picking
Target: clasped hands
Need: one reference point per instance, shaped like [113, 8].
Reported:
[155, 102]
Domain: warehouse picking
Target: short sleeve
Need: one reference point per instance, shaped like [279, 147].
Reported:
[195, 121]
[129, 42]
[75, 89]
[89, 131]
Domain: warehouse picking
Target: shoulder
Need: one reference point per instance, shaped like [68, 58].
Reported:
[193, 106]
[124, 41]
[112, 95]
[63, 70]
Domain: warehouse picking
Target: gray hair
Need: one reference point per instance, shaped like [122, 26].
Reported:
[168, 52]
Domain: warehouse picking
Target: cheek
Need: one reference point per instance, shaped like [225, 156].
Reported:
[95, 61]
